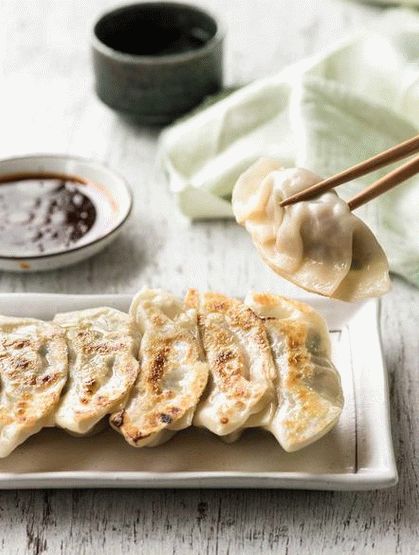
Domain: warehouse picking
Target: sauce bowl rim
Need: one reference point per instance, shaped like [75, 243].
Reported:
[106, 235]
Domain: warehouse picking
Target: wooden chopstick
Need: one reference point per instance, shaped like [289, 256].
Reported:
[385, 183]
[393, 154]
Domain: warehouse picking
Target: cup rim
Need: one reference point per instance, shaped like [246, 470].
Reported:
[100, 46]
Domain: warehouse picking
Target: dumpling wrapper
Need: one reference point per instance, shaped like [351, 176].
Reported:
[173, 371]
[317, 244]
[310, 398]
[240, 391]
[103, 347]
[33, 371]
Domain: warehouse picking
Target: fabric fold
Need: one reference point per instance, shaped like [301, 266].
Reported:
[324, 113]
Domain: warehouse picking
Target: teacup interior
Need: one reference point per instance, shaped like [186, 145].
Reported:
[155, 29]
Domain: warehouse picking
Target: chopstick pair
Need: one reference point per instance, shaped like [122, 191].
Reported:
[382, 185]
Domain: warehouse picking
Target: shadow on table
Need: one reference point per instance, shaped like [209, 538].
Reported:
[108, 271]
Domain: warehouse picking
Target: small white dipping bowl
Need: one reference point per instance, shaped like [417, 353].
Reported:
[113, 185]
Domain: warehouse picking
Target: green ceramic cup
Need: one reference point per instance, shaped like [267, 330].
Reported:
[155, 61]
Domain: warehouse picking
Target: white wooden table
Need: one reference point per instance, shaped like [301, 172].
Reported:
[47, 105]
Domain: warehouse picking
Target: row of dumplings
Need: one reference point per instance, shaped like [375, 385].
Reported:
[207, 360]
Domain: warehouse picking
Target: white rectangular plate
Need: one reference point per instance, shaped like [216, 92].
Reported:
[356, 455]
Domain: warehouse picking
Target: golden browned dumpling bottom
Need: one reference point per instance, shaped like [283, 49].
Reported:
[33, 371]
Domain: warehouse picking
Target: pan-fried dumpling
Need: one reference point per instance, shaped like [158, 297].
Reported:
[317, 244]
[103, 346]
[240, 391]
[309, 391]
[33, 371]
[173, 371]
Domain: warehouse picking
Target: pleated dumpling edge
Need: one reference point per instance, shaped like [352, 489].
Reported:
[173, 371]
[309, 391]
[318, 244]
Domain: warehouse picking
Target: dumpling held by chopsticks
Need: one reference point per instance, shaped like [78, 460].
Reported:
[318, 244]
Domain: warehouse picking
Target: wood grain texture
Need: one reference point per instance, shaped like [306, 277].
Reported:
[47, 104]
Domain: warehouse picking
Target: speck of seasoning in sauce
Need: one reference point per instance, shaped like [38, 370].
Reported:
[166, 418]
[45, 213]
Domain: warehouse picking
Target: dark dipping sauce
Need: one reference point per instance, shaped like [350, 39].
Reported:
[44, 213]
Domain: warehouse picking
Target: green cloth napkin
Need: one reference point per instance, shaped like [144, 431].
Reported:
[324, 113]
[408, 3]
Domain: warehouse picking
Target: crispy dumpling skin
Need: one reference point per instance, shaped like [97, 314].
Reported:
[173, 371]
[310, 398]
[103, 348]
[240, 391]
[33, 371]
[317, 244]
